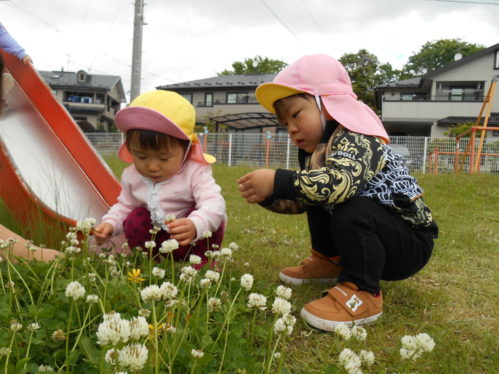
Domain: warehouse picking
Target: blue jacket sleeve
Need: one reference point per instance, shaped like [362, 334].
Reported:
[8, 44]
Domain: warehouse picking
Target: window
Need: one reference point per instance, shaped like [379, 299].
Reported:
[237, 97]
[208, 99]
[187, 96]
[496, 60]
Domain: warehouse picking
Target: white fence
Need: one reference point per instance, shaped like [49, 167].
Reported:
[422, 154]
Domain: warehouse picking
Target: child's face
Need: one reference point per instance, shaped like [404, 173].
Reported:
[302, 118]
[158, 165]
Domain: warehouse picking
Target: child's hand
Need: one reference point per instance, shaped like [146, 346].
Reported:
[182, 230]
[27, 60]
[102, 232]
[257, 185]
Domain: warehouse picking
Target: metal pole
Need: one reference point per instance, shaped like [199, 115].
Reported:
[138, 22]
[287, 152]
[230, 149]
[425, 150]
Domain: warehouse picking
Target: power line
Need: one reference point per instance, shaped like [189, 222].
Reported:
[280, 20]
[25, 11]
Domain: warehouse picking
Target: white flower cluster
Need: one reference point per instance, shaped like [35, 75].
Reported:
[284, 292]
[133, 356]
[85, 225]
[187, 274]
[113, 330]
[343, 330]
[166, 291]
[45, 368]
[212, 275]
[75, 290]
[285, 324]
[281, 306]
[226, 254]
[150, 244]
[168, 246]
[33, 326]
[247, 281]
[158, 272]
[214, 304]
[256, 300]
[353, 362]
[7, 243]
[414, 346]
[197, 353]
[194, 259]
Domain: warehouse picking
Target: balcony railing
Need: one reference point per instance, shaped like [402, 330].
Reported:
[438, 98]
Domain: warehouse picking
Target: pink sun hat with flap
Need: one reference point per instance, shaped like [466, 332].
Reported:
[166, 112]
[324, 76]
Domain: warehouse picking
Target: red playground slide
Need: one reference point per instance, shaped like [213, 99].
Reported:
[47, 165]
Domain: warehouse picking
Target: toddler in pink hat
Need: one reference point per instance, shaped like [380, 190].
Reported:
[366, 216]
[169, 184]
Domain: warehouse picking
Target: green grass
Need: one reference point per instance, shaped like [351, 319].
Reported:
[454, 298]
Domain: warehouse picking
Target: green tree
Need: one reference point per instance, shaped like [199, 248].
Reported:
[256, 65]
[436, 54]
[366, 72]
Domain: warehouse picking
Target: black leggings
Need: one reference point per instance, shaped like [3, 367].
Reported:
[372, 241]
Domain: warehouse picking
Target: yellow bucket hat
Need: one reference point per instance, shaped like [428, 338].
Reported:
[166, 112]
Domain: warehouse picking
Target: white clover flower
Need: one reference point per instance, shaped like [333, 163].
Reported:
[168, 291]
[45, 368]
[92, 277]
[75, 290]
[256, 300]
[205, 283]
[86, 224]
[367, 357]
[114, 272]
[158, 272]
[194, 259]
[359, 333]
[409, 342]
[138, 328]
[343, 330]
[350, 361]
[10, 284]
[197, 353]
[16, 326]
[92, 299]
[33, 326]
[425, 342]
[214, 255]
[4, 351]
[277, 355]
[214, 304]
[187, 273]
[171, 330]
[111, 356]
[150, 244]
[226, 253]
[284, 292]
[113, 330]
[59, 335]
[280, 326]
[170, 218]
[206, 234]
[168, 246]
[144, 313]
[233, 246]
[151, 293]
[133, 356]
[212, 275]
[247, 281]
[281, 306]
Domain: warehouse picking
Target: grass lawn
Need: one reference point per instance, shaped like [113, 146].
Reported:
[454, 299]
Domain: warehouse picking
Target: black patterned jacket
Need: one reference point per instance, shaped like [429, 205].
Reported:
[348, 164]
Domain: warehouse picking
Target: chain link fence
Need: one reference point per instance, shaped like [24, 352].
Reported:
[421, 154]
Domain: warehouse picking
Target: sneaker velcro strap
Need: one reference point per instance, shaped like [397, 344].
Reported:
[349, 300]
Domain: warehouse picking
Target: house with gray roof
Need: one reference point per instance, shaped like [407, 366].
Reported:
[452, 95]
[228, 100]
[91, 99]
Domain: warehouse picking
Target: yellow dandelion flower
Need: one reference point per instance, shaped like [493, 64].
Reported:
[134, 276]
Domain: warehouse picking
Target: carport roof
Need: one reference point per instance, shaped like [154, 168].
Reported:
[247, 121]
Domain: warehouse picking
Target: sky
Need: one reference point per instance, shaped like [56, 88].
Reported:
[196, 39]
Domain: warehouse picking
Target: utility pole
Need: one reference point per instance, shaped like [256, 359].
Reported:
[138, 22]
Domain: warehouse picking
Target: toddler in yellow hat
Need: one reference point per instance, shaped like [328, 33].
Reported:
[169, 184]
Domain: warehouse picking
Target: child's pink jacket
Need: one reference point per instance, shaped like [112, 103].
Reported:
[193, 187]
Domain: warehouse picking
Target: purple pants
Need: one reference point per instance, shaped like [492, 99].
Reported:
[138, 223]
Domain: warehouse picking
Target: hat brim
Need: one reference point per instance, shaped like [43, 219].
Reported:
[141, 118]
[354, 115]
[268, 93]
[196, 154]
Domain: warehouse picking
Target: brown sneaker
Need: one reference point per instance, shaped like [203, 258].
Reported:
[344, 304]
[315, 268]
